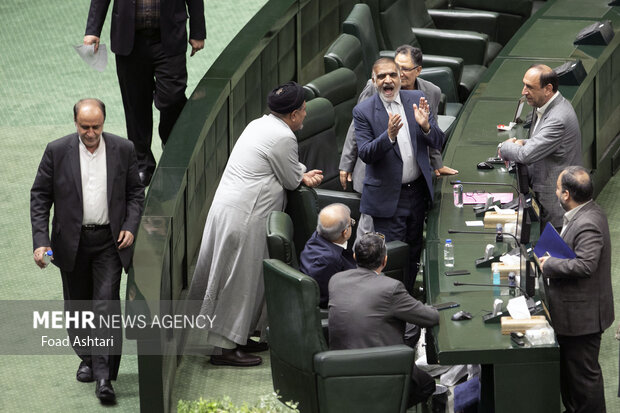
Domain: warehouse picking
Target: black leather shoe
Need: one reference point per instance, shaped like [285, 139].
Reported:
[105, 392]
[145, 178]
[84, 373]
[253, 346]
[236, 358]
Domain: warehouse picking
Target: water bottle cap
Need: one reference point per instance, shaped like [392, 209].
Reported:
[49, 253]
[448, 241]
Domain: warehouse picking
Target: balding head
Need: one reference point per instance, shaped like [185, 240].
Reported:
[334, 223]
[539, 85]
[574, 187]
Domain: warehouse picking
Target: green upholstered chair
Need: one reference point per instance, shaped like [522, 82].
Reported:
[476, 21]
[360, 24]
[393, 21]
[440, 76]
[512, 14]
[280, 241]
[340, 88]
[304, 370]
[346, 51]
[303, 207]
[318, 147]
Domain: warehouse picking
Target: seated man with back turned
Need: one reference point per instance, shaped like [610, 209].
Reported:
[368, 309]
[580, 293]
[326, 251]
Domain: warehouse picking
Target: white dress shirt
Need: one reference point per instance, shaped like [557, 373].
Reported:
[411, 170]
[94, 185]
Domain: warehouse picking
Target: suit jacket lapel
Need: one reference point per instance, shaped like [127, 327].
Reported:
[111, 157]
[74, 161]
[408, 107]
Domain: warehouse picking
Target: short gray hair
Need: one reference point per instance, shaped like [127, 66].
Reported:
[333, 233]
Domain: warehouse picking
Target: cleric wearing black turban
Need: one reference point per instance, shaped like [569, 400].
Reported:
[228, 277]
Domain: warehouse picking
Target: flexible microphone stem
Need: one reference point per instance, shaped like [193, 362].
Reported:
[456, 182]
[527, 297]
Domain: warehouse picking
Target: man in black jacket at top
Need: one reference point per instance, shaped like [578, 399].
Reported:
[149, 38]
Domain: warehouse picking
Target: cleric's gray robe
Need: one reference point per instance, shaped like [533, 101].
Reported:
[228, 276]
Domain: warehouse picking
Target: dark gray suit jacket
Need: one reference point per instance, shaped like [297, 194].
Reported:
[370, 310]
[579, 290]
[59, 183]
[172, 24]
[552, 146]
[350, 162]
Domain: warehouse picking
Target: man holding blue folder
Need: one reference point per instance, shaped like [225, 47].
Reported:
[580, 293]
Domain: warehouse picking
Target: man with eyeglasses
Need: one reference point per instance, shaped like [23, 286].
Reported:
[410, 60]
[368, 309]
[394, 131]
[327, 251]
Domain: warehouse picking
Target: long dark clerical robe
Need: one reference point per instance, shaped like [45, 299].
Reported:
[228, 276]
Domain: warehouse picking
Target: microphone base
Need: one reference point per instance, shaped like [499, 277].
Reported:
[486, 262]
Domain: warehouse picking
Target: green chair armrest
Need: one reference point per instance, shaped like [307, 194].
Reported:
[398, 260]
[442, 104]
[443, 78]
[479, 21]
[363, 362]
[330, 196]
[454, 63]
[471, 46]
[387, 53]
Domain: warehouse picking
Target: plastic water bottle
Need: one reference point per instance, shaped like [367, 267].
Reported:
[458, 194]
[448, 253]
[47, 257]
[496, 278]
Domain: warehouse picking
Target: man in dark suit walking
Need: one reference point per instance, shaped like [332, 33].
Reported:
[394, 131]
[91, 179]
[580, 293]
[149, 38]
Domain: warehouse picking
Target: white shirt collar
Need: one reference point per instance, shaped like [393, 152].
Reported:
[541, 110]
[569, 215]
[343, 245]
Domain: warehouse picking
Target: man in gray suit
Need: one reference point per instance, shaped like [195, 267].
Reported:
[409, 59]
[554, 143]
[580, 293]
[368, 309]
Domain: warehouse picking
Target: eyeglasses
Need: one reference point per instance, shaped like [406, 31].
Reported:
[382, 76]
[351, 224]
[408, 69]
[377, 234]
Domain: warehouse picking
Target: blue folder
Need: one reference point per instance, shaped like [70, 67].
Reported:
[551, 242]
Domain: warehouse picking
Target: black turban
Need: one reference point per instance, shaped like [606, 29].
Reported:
[286, 98]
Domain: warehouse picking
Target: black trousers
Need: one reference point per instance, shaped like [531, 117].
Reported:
[407, 224]
[145, 76]
[94, 285]
[581, 379]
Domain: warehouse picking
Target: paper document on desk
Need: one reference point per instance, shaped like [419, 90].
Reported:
[517, 307]
[97, 61]
[470, 198]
